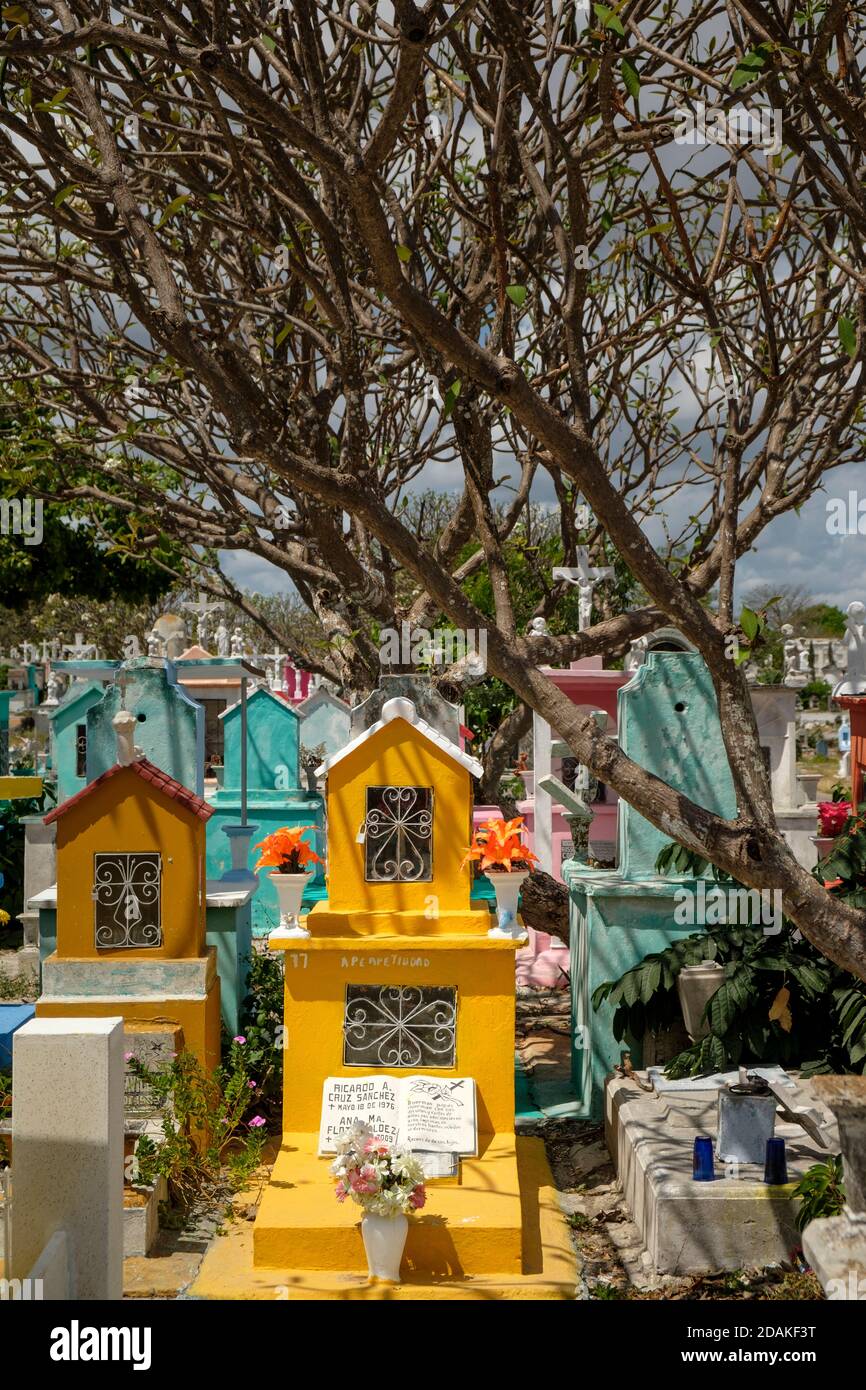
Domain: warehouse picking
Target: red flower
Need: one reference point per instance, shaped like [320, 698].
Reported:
[832, 816]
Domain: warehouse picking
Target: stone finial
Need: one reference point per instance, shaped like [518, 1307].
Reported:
[124, 728]
[399, 708]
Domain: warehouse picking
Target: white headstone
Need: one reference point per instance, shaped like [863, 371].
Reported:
[67, 1133]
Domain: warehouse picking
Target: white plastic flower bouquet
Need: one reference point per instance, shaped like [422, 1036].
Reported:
[384, 1180]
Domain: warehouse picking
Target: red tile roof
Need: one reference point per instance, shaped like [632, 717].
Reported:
[148, 772]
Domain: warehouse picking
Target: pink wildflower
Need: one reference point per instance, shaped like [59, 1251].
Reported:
[256, 1122]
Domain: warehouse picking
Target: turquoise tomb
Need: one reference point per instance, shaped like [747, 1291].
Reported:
[668, 723]
[274, 796]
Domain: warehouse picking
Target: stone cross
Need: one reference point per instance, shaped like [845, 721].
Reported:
[586, 577]
[79, 650]
[273, 663]
[202, 608]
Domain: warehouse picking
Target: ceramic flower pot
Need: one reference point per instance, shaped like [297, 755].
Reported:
[506, 887]
[823, 844]
[384, 1243]
[290, 891]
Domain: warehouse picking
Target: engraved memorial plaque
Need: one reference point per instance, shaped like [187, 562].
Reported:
[400, 1026]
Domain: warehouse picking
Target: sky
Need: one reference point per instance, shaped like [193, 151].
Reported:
[793, 550]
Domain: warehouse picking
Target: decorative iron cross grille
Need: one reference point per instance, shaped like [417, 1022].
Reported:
[126, 894]
[400, 1026]
[81, 750]
[398, 835]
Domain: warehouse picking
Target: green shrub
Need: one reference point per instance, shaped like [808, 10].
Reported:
[262, 1027]
[211, 1126]
[821, 1192]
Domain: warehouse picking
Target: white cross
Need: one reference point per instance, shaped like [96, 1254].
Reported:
[586, 578]
[79, 650]
[273, 663]
[203, 609]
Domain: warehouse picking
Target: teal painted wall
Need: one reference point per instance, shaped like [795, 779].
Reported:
[64, 736]
[326, 720]
[170, 730]
[268, 811]
[668, 722]
[229, 929]
[272, 743]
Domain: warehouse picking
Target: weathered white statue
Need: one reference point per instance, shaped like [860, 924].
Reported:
[222, 638]
[854, 682]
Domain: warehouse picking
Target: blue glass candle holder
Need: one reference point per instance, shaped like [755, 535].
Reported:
[775, 1163]
[703, 1168]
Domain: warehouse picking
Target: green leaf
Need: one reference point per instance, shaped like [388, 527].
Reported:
[404, 253]
[269, 43]
[747, 69]
[450, 397]
[517, 294]
[847, 336]
[282, 335]
[749, 623]
[606, 221]
[63, 193]
[609, 20]
[174, 207]
[656, 229]
[630, 77]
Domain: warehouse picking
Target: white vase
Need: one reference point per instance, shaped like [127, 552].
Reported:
[384, 1242]
[290, 891]
[507, 887]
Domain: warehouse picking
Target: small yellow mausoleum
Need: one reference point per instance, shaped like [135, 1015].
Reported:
[400, 977]
[131, 909]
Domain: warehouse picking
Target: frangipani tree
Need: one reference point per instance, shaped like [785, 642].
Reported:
[278, 267]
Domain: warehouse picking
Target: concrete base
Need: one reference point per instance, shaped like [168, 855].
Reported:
[470, 1228]
[836, 1250]
[735, 1222]
[141, 1217]
[547, 1261]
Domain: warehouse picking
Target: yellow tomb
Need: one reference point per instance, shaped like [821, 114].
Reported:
[399, 936]
[131, 909]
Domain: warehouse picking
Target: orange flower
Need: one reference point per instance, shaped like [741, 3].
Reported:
[286, 850]
[497, 844]
[835, 883]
